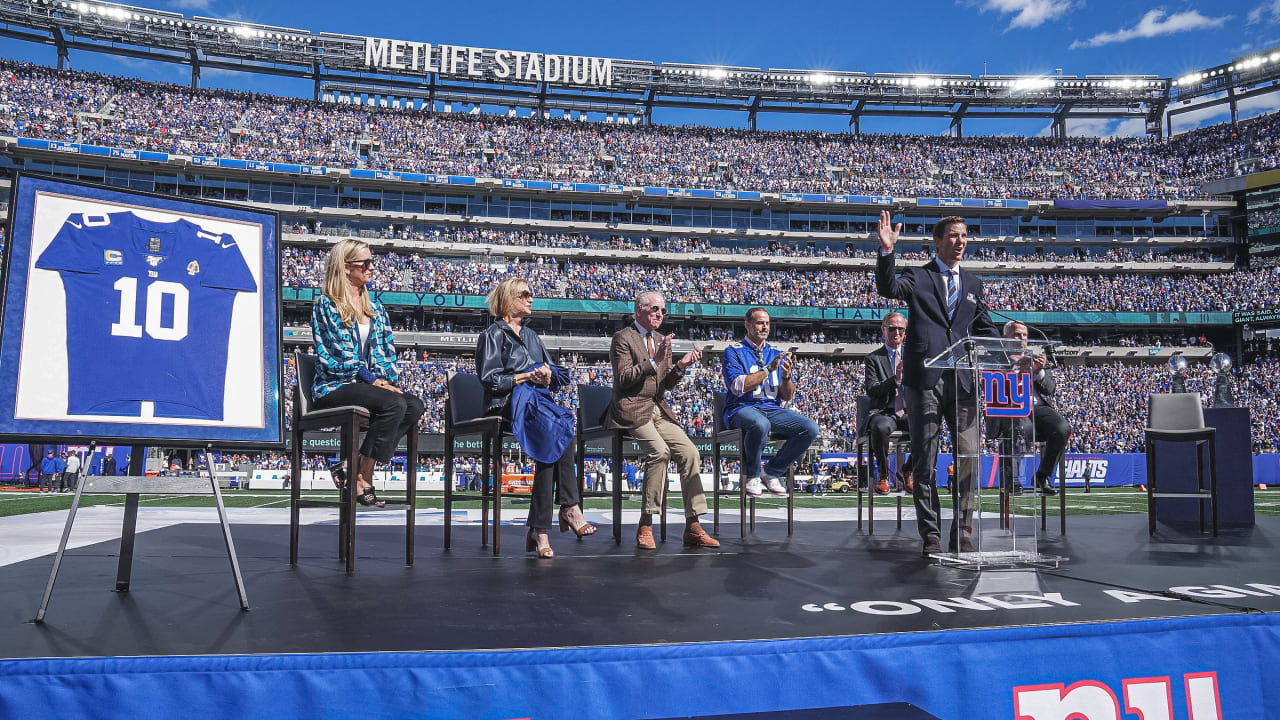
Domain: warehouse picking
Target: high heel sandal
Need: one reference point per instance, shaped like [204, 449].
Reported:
[581, 531]
[339, 475]
[369, 498]
[531, 544]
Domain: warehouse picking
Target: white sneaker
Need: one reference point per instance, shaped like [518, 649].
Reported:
[775, 487]
[754, 487]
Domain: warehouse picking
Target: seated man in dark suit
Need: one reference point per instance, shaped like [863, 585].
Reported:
[1048, 424]
[888, 401]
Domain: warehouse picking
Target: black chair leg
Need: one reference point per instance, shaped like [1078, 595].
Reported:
[663, 522]
[1213, 481]
[791, 500]
[715, 493]
[295, 496]
[1151, 487]
[617, 490]
[448, 484]
[484, 490]
[496, 456]
[1062, 494]
[411, 495]
[1200, 480]
[858, 475]
[353, 467]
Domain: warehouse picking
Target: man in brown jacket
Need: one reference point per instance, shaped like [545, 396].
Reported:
[643, 373]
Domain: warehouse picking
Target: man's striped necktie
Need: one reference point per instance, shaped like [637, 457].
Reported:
[953, 294]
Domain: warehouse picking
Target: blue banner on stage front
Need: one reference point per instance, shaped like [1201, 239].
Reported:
[1192, 668]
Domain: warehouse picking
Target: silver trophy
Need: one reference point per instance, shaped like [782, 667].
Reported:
[1221, 362]
[1178, 366]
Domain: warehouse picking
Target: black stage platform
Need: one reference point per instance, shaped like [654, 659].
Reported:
[829, 579]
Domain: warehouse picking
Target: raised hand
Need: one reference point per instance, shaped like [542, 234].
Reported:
[663, 348]
[690, 358]
[887, 231]
[786, 364]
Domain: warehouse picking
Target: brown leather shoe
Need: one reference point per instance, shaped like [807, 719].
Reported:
[883, 487]
[644, 538]
[695, 536]
[907, 484]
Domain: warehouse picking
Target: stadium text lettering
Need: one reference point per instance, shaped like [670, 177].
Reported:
[1148, 697]
[1092, 468]
[486, 64]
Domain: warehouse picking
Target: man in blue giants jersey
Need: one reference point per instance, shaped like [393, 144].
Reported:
[148, 313]
[758, 380]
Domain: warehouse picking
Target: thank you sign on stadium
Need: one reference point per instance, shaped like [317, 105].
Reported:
[485, 64]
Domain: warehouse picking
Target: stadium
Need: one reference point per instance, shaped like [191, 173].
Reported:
[1149, 266]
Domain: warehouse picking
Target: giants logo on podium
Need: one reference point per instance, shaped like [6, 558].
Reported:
[1007, 393]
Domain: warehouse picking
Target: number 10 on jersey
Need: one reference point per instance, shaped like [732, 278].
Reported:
[153, 307]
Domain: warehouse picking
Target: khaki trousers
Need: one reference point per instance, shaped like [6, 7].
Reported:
[663, 441]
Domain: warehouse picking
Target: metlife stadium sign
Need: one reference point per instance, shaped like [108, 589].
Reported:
[486, 65]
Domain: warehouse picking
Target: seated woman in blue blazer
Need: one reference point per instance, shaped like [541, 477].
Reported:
[356, 361]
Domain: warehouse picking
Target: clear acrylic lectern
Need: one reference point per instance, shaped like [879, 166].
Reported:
[994, 419]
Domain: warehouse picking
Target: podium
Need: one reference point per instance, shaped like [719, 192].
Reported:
[999, 375]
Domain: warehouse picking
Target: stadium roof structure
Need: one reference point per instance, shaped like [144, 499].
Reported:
[418, 74]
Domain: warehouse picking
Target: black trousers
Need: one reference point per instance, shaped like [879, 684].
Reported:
[927, 409]
[553, 483]
[1050, 428]
[391, 415]
[879, 427]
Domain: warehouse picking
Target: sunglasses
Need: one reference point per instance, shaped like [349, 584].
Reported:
[655, 309]
[365, 264]
[895, 329]
[526, 295]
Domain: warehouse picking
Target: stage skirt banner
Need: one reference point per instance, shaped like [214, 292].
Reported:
[1103, 470]
[1193, 668]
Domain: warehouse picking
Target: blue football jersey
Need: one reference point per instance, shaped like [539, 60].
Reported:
[740, 358]
[148, 313]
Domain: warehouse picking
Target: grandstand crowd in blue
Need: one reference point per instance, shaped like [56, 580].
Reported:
[120, 112]
[1108, 398]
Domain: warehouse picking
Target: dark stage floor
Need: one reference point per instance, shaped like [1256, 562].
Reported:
[829, 579]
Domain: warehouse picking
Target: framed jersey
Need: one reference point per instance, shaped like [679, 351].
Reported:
[138, 317]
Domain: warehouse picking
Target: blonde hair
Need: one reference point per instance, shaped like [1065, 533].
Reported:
[335, 281]
[503, 297]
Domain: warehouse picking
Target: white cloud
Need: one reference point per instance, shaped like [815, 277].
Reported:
[1029, 13]
[1101, 127]
[1154, 24]
[191, 4]
[1205, 114]
[1269, 11]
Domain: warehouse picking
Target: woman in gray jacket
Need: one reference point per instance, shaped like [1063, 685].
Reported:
[505, 352]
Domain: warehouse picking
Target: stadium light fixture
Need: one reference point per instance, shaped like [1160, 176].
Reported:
[718, 73]
[820, 79]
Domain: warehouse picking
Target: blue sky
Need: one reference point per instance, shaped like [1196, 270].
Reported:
[930, 36]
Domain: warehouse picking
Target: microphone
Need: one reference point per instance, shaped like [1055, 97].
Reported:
[1052, 360]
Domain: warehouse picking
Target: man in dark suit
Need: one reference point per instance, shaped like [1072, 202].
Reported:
[643, 372]
[945, 305]
[35, 454]
[1047, 423]
[888, 413]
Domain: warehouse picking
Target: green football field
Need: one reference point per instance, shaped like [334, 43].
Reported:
[1100, 501]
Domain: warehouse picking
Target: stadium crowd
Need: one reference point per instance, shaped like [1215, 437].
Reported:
[703, 246]
[1105, 403]
[1069, 292]
[37, 101]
